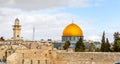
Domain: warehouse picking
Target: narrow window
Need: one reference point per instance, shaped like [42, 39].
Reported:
[23, 61]
[70, 38]
[31, 62]
[38, 61]
[45, 61]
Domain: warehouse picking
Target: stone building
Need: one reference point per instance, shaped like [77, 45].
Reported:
[32, 56]
[16, 30]
[16, 38]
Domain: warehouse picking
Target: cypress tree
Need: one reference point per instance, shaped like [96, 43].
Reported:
[107, 46]
[103, 43]
[79, 46]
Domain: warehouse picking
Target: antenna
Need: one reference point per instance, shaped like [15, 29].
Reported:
[33, 34]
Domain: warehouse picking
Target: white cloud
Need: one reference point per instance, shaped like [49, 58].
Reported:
[43, 4]
[44, 16]
[47, 25]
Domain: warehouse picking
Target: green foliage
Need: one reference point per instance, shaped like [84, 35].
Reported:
[66, 45]
[103, 43]
[105, 46]
[118, 43]
[92, 47]
[79, 46]
[1, 38]
[111, 50]
[97, 50]
[116, 46]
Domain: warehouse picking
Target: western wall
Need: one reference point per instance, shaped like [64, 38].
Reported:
[87, 58]
[56, 57]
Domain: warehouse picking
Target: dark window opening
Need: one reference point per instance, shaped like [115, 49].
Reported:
[38, 61]
[31, 62]
[17, 35]
[23, 61]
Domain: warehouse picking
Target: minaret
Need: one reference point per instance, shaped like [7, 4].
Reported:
[16, 30]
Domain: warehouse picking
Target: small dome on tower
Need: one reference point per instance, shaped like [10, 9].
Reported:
[16, 21]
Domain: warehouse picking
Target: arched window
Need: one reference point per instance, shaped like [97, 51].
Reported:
[17, 35]
[45, 61]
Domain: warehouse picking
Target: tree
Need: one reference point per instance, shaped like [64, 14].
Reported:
[79, 46]
[118, 44]
[103, 43]
[116, 47]
[1, 38]
[97, 50]
[66, 45]
[107, 45]
[91, 47]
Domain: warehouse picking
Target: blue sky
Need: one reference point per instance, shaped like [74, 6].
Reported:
[50, 17]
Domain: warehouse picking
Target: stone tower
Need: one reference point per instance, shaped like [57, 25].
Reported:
[16, 30]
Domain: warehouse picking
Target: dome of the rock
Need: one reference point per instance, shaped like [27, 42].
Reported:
[72, 30]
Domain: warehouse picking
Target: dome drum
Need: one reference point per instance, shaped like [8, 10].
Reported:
[71, 38]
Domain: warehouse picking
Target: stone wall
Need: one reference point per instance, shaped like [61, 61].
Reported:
[15, 58]
[87, 58]
[55, 57]
[31, 56]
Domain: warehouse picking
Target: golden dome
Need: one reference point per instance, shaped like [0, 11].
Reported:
[72, 30]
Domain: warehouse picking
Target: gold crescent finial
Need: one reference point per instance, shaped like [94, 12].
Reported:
[72, 21]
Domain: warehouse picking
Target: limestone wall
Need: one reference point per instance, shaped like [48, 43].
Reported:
[55, 57]
[87, 58]
[2, 54]
[15, 58]
[32, 56]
